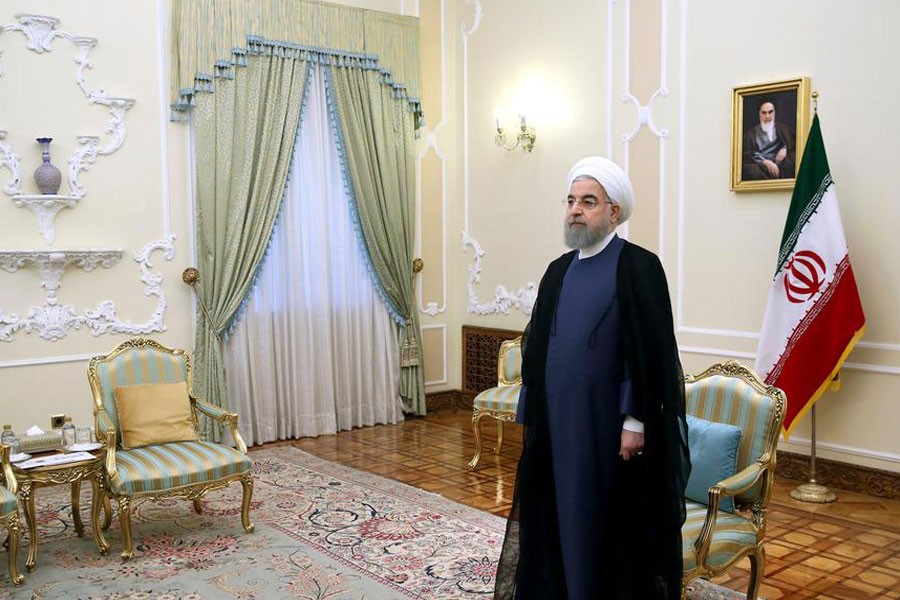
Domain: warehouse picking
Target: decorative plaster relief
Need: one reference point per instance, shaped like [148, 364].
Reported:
[52, 320]
[503, 300]
[40, 31]
[45, 208]
[9, 160]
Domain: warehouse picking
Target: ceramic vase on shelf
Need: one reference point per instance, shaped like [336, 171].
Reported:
[46, 175]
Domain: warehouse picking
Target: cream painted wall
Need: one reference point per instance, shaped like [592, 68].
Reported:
[135, 196]
[573, 61]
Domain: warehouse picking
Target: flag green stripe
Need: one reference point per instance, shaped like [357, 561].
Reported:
[813, 178]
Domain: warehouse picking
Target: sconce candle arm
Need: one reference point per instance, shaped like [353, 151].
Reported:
[524, 139]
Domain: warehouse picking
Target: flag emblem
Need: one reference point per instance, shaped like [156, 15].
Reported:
[804, 276]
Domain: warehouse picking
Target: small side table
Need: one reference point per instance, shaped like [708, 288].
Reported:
[73, 473]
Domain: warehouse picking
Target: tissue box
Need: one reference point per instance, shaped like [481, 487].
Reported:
[43, 442]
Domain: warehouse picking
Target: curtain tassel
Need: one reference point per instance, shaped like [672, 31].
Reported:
[409, 349]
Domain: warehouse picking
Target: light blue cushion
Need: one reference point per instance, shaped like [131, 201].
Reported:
[714, 450]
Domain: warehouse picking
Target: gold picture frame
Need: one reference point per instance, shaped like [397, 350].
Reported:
[770, 122]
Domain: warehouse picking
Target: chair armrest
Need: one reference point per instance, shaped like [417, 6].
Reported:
[741, 481]
[6, 471]
[222, 416]
[737, 483]
[108, 440]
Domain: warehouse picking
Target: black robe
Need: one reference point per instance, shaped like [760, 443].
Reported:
[648, 562]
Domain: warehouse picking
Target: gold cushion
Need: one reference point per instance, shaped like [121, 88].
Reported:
[154, 413]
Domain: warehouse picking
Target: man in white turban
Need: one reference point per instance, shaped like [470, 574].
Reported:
[599, 499]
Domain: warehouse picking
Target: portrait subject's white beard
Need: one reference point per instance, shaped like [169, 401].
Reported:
[769, 129]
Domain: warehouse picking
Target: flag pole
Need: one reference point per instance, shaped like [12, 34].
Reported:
[812, 491]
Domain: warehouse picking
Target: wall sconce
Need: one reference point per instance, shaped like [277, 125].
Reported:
[524, 138]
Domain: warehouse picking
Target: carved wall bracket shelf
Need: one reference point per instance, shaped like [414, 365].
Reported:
[45, 208]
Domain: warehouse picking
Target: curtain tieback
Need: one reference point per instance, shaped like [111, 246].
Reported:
[409, 348]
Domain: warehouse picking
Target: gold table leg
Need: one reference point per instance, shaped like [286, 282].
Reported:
[27, 492]
[76, 508]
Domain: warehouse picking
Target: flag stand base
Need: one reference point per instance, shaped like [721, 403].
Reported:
[813, 492]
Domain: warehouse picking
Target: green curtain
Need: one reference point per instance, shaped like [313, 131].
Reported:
[244, 140]
[377, 144]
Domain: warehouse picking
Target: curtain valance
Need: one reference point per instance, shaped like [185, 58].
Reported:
[212, 37]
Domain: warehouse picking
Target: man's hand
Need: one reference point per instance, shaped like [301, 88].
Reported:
[632, 444]
[771, 167]
[782, 154]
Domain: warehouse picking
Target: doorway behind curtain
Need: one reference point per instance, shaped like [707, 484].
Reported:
[315, 350]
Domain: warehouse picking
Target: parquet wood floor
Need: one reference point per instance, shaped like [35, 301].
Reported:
[847, 550]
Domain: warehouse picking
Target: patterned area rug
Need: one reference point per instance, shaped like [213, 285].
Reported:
[323, 531]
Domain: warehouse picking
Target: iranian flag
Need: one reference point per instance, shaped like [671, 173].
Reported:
[813, 316]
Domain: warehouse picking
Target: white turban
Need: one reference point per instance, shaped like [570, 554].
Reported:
[613, 179]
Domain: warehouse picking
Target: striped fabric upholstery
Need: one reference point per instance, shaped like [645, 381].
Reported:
[504, 398]
[512, 366]
[175, 465]
[733, 532]
[7, 502]
[730, 400]
[135, 367]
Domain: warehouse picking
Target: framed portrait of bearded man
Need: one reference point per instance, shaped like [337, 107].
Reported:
[770, 122]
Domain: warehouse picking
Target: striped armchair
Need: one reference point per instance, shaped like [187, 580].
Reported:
[499, 402]
[154, 471]
[714, 539]
[9, 514]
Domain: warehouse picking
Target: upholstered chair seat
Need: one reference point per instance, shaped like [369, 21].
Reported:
[9, 514]
[734, 420]
[175, 465]
[148, 419]
[500, 402]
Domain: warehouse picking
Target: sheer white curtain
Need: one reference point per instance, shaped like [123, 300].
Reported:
[315, 351]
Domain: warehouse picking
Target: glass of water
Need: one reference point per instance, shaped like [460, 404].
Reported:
[83, 435]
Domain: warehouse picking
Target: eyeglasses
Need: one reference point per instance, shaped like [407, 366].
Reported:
[586, 203]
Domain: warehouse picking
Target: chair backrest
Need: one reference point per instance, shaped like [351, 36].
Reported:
[733, 393]
[134, 362]
[509, 363]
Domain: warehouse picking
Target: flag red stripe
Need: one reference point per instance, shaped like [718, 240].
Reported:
[816, 353]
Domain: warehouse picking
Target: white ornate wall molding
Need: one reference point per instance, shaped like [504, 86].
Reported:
[503, 300]
[45, 208]
[39, 32]
[10, 161]
[52, 320]
[523, 299]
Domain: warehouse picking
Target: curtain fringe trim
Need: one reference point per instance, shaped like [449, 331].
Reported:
[334, 118]
[260, 46]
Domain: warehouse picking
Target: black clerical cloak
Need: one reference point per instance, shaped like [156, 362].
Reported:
[648, 564]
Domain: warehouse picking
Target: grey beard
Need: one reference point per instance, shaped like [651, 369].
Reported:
[582, 237]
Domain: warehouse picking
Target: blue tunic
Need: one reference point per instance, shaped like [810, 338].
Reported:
[587, 399]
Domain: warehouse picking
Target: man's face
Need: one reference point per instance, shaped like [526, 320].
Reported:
[766, 112]
[583, 227]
